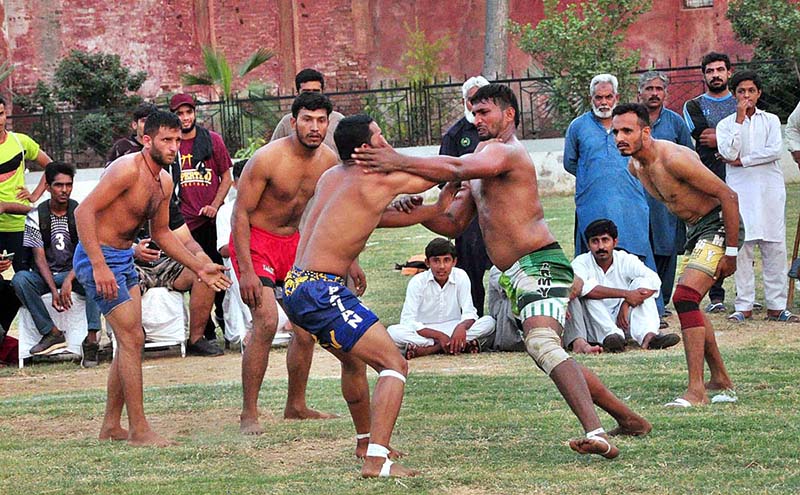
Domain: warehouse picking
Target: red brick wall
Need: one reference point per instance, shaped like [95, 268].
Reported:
[352, 41]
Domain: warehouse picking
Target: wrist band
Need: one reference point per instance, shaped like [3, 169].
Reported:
[731, 251]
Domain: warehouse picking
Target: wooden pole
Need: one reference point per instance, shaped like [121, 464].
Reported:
[790, 298]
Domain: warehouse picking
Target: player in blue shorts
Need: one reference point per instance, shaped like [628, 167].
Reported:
[348, 206]
[133, 189]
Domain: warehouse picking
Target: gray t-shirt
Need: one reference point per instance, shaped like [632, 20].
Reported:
[59, 253]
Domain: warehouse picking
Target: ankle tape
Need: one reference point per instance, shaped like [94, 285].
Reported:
[594, 433]
[375, 450]
[361, 436]
[392, 374]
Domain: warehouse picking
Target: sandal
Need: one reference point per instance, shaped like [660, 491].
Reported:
[785, 316]
[737, 317]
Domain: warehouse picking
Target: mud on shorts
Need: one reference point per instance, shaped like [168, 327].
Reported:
[120, 262]
[321, 304]
[273, 255]
[163, 273]
[705, 242]
[539, 283]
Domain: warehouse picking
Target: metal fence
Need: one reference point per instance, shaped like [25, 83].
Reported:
[410, 115]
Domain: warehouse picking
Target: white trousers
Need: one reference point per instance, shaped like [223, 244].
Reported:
[404, 334]
[775, 268]
[595, 319]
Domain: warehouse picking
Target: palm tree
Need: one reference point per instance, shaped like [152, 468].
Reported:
[218, 73]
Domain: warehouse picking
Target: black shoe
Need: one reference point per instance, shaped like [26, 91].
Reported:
[49, 342]
[663, 340]
[89, 353]
[663, 324]
[203, 348]
[614, 343]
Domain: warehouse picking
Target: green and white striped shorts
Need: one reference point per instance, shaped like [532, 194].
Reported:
[539, 283]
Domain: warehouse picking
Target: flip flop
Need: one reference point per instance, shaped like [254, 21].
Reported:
[679, 402]
[726, 396]
[785, 316]
[737, 317]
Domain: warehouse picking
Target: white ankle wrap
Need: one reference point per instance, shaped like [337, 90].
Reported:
[594, 433]
[393, 374]
[361, 436]
[375, 450]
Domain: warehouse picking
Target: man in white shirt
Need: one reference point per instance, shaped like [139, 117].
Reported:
[618, 297]
[438, 313]
[793, 134]
[750, 143]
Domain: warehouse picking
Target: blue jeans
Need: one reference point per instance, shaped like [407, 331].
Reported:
[30, 286]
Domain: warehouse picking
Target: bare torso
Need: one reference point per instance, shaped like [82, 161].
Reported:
[120, 221]
[509, 209]
[664, 179]
[288, 185]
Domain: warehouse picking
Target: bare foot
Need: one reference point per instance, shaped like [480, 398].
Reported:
[306, 413]
[113, 433]
[580, 346]
[361, 450]
[636, 427]
[372, 468]
[695, 400]
[415, 351]
[149, 438]
[598, 445]
[473, 347]
[250, 426]
[715, 385]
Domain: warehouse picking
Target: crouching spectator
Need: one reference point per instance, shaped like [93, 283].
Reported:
[51, 235]
[618, 298]
[438, 314]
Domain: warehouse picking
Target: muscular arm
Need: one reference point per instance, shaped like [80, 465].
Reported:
[493, 160]
[422, 213]
[251, 186]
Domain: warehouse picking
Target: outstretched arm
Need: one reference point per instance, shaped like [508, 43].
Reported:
[420, 213]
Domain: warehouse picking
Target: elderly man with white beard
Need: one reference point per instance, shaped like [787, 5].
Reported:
[603, 186]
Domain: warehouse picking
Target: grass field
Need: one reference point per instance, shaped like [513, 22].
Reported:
[477, 424]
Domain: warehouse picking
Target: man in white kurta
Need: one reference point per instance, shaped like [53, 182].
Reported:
[793, 134]
[438, 313]
[750, 142]
[619, 293]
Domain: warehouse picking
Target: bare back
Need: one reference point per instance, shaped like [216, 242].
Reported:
[679, 179]
[347, 208]
[278, 182]
[127, 195]
[509, 209]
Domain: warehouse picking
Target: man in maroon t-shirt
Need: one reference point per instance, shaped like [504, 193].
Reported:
[204, 182]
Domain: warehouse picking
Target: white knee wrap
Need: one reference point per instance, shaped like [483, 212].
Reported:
[393, 374]
[544, 347]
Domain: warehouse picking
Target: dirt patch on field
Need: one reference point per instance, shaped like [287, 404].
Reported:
[166, 371]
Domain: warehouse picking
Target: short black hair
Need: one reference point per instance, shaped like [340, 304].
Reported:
[745, 75]
[307, 75]
[352, 132]
[439, 247]
[311, 101]
[599, 227]
[715, 57]
[143, 110]
[159, 119]
[637, 108]
[501, 95]
[237, 169]
[2, 101]
[54, 168]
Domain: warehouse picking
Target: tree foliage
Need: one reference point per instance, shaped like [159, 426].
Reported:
[771, 27]
[96, 81]
[576, 41]
[218, 72]
[422, 59]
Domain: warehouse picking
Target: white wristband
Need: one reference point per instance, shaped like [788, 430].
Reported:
[731, 251]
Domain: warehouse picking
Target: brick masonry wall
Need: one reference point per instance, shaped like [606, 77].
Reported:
[354, 42]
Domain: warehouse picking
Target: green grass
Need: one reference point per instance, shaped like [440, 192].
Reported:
[502, 431]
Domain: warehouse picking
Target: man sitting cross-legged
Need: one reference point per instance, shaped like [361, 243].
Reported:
[438, 313]
[618, 298]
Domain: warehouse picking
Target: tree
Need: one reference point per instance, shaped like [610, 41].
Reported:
[422, 58]
[218, 73]
[772, 27]
[576, 41]
[495, 44]
[96, 81]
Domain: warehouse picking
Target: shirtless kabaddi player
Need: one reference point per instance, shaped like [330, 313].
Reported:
[536, 275]
[274, 189]
[675, 175]
[132, 190]
[347, 207]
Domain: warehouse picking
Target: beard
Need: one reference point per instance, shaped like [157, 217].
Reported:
[311, 146]
[717, 86]
[189, 129]
[161, 159]
[602, 114]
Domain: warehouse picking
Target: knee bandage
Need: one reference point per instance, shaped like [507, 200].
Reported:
[393, 374]
[544, 347]
[687, 304]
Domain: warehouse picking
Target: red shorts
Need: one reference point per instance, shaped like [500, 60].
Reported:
[272, 254]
